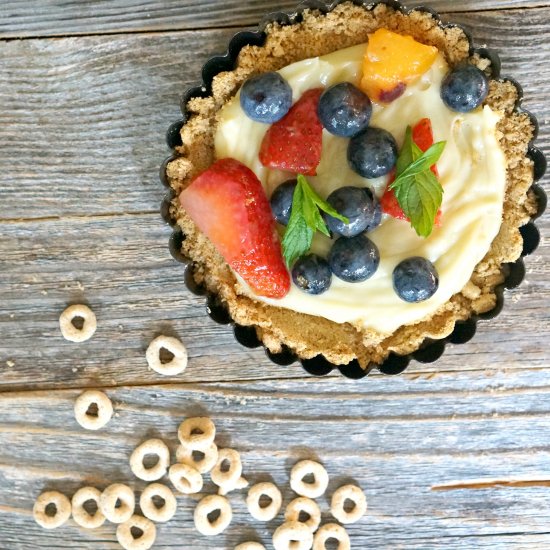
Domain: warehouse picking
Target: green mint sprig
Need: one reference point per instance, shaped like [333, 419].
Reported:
[416, 188]
[305, 220]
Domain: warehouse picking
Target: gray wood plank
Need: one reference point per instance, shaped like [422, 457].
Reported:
[121, 266]
[21, 18]
[397, 438]
[95, 110]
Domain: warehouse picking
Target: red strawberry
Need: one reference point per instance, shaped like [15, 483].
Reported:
[422, 135]
[294, 142]
[229, 205]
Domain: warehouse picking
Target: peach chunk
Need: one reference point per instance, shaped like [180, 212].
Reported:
[392, 61]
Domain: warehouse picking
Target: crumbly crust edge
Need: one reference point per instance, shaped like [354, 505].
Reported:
[319, 34]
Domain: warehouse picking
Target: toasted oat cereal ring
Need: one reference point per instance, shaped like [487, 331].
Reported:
[353, 494]
[176, 365]
[185, 478]
[264, 513]
[197, 433]
[121, 494]
[150, 510]
[68, 329]
[104, 409]
[126, 537]
[80, 514]
[331, 531]
[250, 546]
[303, 469]
[292, 535]
[241, 483]
[186, 455]
[208, 505]
[307, 506]
[227, 479]
[155, 447]
[62, 507]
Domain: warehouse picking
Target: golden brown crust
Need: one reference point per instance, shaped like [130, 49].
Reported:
[318, 34]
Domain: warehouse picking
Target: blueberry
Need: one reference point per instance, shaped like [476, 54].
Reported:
[377, 217]
[355, 203]
[415, 279]
[281, 201]
[354, 259]
[266, 97]
[464, 88]
[312, 274]
[372, 153]
[344, 110]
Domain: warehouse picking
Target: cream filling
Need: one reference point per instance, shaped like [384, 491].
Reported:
[472, 171]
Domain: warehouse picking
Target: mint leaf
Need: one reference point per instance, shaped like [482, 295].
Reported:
[305, 220]
[416, 188]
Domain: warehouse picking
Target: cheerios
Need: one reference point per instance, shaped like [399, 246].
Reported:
[117, 494]
[227, 479]
[68, 329]
[292, 535]
[81, 515]
[59, 502]
[208, 505]
[266, 513]
[186, 455]
[353, 494]
[144, 541]
[307, 506]
[176, 365]
[153, 512]
[250, 546]
[185, 478]
[301, 470]
[331, 531]
[104, 409]
[155, 447]
[197, 433]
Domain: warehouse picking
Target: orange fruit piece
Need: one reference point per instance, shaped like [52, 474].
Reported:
[392, 61]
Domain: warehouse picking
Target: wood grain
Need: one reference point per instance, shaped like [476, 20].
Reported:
[397, 438]
[21, 18]
[96, 109]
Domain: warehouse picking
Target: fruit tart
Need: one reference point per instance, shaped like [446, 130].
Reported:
[353, 186]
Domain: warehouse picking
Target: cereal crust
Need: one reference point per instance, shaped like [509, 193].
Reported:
[319, 34]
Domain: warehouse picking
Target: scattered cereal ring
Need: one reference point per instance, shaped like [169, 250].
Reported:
[80, 514]
[104, 409]
[208, 505]
[176, 365]
[108, 503]
[62, 510]
[69, 331]
[250, 546]
[203, 465]
[331, 531]
[185, 479]
[292, 535]
[126, 538]
[265, 513]
[301, 470]
[355, 495]
[309, 507]
[197, 441]
[151, 510]
[227, 480]
[155, 447]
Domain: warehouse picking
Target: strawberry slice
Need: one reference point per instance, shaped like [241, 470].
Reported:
[423, 136]
[229, 205]
[294, 142]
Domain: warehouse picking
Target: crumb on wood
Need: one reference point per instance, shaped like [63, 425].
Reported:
[10, 363]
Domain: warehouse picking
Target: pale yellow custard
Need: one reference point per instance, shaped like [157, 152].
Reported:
[472, 172]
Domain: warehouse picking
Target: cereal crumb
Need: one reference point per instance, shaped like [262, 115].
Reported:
[10, 363]
[44, 292]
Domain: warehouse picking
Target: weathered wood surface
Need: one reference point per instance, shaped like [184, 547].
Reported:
[81, 133]
[21, 18]
[398, 441]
